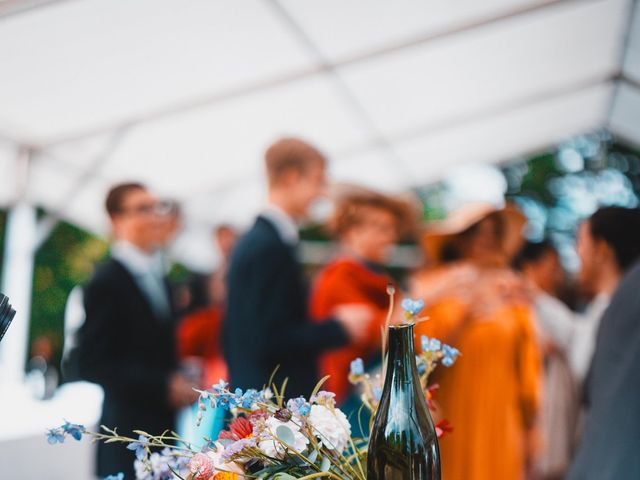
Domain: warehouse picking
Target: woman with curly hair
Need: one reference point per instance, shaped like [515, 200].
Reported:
[367, 225]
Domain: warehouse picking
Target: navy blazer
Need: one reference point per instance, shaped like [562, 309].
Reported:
[131, 354]
[267, 322]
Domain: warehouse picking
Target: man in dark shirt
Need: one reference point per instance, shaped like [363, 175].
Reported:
[267, 323]
[127, 342]
[611, 439]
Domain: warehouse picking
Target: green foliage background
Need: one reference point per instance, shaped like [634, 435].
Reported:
[63, 261]
[66, 259]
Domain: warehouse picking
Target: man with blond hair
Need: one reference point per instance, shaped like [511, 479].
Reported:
[267, 324]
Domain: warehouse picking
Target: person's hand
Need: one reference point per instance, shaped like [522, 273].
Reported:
[453, 281]
[498, 288]
[181, 393]
[355, 319]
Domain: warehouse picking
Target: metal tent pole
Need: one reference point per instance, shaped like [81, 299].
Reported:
[17, 277]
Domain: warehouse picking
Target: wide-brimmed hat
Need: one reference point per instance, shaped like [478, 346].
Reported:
[438, 233]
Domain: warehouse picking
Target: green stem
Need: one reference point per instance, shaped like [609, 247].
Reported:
[320, 475]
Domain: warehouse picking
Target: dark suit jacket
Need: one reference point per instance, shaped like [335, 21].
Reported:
[131, 354]
[611, 441]
[267, 322]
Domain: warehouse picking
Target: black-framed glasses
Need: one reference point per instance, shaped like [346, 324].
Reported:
[6, 314]
[147, 210]
[161, 208]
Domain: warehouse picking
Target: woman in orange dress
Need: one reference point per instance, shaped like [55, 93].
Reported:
[491, 394]
[367, 225]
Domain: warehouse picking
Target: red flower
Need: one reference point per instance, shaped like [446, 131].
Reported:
[238, 429]
[431, 389]
[442, 427]
[430, 395]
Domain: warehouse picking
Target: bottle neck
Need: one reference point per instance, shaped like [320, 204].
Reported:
[401, 357]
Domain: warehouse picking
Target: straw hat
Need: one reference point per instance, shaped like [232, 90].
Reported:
[440, 232]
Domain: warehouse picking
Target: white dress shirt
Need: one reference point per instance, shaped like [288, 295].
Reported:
[574, 332]
[148, 272]
[285, 225]
[584, 343]
[556, 321]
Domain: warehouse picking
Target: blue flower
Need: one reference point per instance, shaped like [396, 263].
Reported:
[208, 445]
[250, 397]
[225, 401]
[357, 367]
[139, 447]
[449, 355]
[55, 435]
[430, 344]
[304, 410]
[73, 429]
[422, 367]
[220, 387]
[118, 476]
[377, 393]
[299, 406]
[238, 392]
[412, 307]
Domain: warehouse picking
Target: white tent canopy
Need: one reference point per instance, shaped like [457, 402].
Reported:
[186, 96]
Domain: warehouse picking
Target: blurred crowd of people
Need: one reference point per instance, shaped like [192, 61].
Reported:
[546, 387]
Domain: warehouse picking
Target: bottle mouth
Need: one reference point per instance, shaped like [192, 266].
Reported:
[400, 326]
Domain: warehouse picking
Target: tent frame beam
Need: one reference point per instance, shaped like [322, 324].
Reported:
[9, 10]
[47, 224]
[509, 106]
[357, 109]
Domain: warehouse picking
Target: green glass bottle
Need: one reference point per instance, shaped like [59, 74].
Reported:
[403, 444]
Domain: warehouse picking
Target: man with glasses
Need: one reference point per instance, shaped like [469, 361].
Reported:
[127, 342]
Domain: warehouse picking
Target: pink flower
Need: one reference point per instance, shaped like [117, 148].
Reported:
[201, 467]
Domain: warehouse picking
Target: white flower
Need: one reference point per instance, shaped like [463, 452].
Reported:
[330, 426]
[270, 444]
[156, 466]
[142, 470]
[159, 463]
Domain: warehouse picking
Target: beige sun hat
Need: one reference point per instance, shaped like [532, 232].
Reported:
[438, 233]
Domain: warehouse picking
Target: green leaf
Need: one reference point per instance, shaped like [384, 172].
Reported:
[273, 375]
[316, 389]
[283, 388]
[313, 456]
[283, 476]
[285, 435]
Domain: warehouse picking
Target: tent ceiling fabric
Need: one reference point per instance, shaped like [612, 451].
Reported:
[625, 112]
[631, 69]
[186, 99]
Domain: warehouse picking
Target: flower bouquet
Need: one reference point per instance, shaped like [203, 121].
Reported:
[269, 436]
